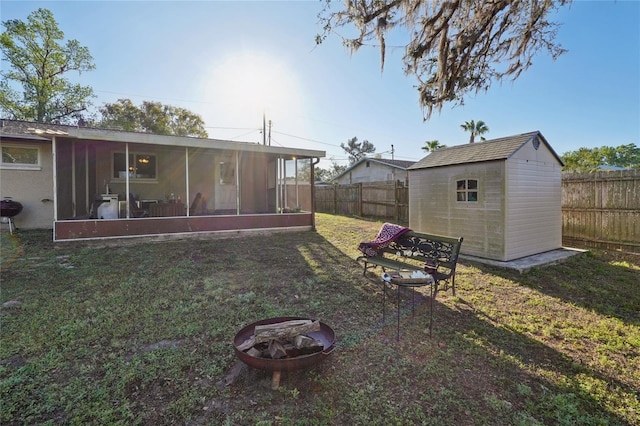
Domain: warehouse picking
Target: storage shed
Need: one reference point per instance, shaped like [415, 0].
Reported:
[504, 196]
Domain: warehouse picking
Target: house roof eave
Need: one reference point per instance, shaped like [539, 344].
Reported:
[42, 132]
[191, 142]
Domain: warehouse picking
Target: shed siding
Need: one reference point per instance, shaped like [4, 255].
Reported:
[534, 202]
[433, 207]
[376, 172]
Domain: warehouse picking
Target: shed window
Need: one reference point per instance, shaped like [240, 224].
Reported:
[467, 190]
[20, 157]
[141, 166]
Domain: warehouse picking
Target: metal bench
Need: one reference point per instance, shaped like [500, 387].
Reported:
[414, 251]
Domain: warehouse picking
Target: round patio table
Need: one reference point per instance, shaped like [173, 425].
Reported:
[404, 281]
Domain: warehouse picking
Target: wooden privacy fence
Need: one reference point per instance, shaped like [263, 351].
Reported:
[598, 209]
[387, 201]
[602, 209]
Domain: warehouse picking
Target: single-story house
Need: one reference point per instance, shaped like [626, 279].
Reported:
[504, 196]
[374, 170]
[90, 183]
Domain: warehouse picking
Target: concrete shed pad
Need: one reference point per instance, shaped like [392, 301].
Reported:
[524, 264]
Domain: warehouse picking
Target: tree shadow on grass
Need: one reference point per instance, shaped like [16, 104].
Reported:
[593, 281]
[488, 360]
[201, 293]
[480, 349]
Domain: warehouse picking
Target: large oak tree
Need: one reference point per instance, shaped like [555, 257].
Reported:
[33, 86]
[151, 117]
[452, 47]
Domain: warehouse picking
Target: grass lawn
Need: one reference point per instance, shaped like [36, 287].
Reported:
[141, 334]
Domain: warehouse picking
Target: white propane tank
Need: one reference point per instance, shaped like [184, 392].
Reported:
[108, 210]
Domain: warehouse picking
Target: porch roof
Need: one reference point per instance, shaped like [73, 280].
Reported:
[40, 131]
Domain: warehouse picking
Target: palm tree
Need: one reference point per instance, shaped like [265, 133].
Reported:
[430, 146]
[476, 129]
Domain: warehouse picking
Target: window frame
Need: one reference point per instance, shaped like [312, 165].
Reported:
[133, 177]
[466, 190]
[22, 166]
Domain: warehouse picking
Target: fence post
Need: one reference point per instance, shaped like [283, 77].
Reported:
[335, 199]
[360, 199]
[396, 204]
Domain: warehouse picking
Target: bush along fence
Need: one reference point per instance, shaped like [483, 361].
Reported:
[599, 209]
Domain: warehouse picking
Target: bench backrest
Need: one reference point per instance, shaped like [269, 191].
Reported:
[423, 247]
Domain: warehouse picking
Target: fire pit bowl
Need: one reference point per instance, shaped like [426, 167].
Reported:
[326, 335]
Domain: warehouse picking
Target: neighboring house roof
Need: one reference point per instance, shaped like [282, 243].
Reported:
[44, 132]
[608, 168]
[491, 150]
[396, 164]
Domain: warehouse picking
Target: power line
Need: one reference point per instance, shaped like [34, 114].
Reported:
[306, 139]
[232, 128]
[249, 129]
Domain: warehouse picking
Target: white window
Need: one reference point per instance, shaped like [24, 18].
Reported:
[467, 190]
[20, 157]
[141, 166]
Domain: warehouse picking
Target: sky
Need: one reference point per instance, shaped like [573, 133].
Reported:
[235, 62]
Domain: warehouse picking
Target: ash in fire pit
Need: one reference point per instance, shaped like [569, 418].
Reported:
[286, 343]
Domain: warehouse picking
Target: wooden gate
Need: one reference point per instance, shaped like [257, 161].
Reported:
[602, 209]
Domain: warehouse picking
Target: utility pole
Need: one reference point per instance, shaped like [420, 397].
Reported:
[264, 130]
[392, 151]
[269, 132]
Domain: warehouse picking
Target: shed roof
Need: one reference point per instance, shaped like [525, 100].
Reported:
[40, 131]
[491, 150]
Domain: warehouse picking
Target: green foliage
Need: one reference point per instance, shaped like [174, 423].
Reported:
[357, 150]
[326, 175]
[475, 129]
[430, 146]
[37, 62]
[151, 117]
[591, 159]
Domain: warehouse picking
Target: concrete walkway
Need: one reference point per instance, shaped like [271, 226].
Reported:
[525, 263]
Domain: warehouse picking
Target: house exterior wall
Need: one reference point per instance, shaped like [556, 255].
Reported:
[534, 202]
[31, 188]
[253, 184]
[376, 172]
[434, 209]
[202, 177]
